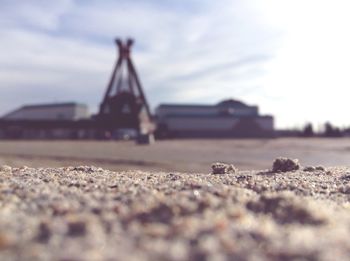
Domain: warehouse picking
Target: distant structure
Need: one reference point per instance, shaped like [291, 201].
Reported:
[124, 104]
[48, 121]
[229, 118]
[55, 111]
[124, 112]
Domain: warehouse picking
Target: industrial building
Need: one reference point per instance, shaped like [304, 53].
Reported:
[124, 111]
[47, 121]
[229, 118]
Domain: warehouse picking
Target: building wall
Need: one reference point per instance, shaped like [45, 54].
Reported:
[81, 112]
[225, 119]
[164, 111]
[194, 123]
[213, 123]
[183, 110]
[265, 123]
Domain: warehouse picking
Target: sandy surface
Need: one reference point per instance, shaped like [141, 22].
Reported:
[174, 155]
[87, 213]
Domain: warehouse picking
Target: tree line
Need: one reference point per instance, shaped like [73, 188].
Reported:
[328, 130]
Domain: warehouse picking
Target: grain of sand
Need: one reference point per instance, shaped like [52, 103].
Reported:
[88, 213]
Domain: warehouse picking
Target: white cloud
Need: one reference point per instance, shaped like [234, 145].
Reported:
[39, 14]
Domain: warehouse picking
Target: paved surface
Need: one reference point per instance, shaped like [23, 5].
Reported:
[87, 213]
[175, 155]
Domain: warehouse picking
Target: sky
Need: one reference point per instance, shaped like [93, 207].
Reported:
[290, 57]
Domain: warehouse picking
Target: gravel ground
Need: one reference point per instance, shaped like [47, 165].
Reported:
[87, 213]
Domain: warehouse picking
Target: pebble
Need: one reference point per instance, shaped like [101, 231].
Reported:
[44, 232]
[344, 189]
[309, 169]
[285, 164]
[312, 168]
[76, 228]
[223, 168]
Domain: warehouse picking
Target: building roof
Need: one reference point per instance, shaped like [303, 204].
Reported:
[225, 103]
[51, 105]
[43, 106]
[232, 103]
[184, 105]
[197, 116]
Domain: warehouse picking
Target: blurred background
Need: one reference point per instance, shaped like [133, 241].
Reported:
[282, 64]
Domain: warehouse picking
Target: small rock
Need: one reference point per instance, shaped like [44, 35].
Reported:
[309, 168]
[82, 168]
[223, 168]
[345, 189]
[320, 168]
[44, 232]
[87, 169]
[69, 168]
[76, 228]
[285, 165]
[312, 168]
[345, 177]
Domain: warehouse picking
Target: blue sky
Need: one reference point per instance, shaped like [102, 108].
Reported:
[289, 57]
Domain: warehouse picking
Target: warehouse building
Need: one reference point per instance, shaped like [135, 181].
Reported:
[47, 121]
[229, 118]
